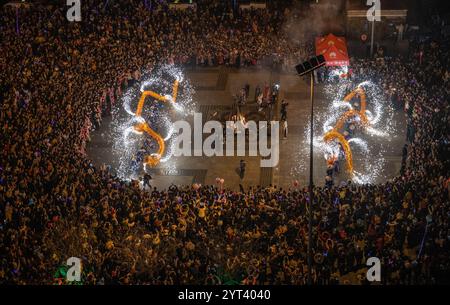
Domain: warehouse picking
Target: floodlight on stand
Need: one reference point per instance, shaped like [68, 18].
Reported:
[310, 65]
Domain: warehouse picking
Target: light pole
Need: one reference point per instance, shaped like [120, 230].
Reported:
[303, 69]
[371, 38]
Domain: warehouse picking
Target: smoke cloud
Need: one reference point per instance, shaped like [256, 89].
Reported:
[304, 22]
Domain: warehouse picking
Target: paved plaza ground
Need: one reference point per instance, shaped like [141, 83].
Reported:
[214, 90]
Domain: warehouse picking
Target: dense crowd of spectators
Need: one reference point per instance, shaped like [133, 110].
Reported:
[54, 204]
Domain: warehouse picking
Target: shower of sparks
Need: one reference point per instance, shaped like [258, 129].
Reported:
[369, 144]
[132, 146]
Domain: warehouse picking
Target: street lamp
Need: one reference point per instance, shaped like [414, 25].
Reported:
[303, 69]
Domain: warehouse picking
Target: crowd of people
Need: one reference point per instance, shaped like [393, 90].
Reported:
[54, 204]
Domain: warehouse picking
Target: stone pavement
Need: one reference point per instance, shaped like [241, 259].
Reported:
[215, 88]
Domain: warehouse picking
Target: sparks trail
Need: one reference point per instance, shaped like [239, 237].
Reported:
[144, 126]
[154, 159]
[362, 105]
[334, 134]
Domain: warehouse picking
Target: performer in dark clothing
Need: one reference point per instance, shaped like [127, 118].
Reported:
[147, 179]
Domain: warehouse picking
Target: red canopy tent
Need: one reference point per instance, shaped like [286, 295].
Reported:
[334, 49]
[329, 40]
